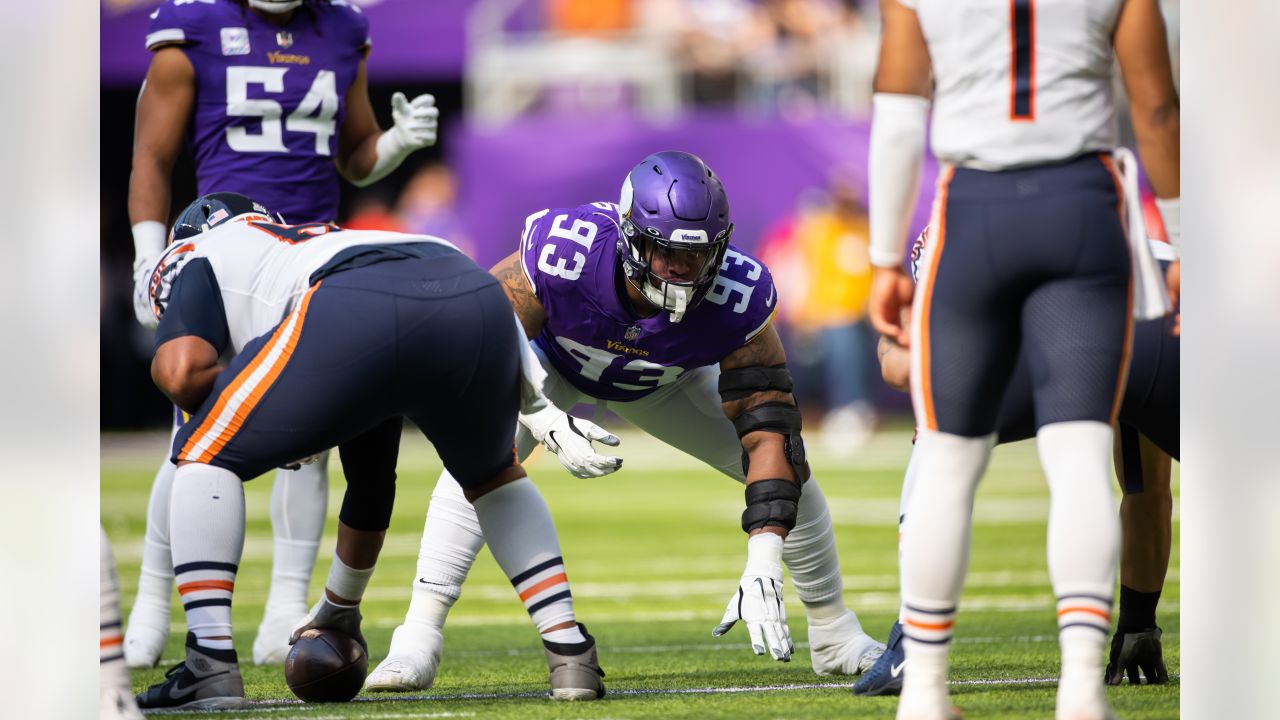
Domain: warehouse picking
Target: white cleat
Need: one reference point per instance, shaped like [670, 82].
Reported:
[146, 635]
[1084, 700]
[271, 646]
[841, 647]
[930, 704]
[118, 704]
[411, 662]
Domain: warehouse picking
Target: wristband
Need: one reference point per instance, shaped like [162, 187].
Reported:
[391, 151]
[149, 237]
[764, 555]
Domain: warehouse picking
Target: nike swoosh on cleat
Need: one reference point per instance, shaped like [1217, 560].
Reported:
[177, 692]
[896, 670]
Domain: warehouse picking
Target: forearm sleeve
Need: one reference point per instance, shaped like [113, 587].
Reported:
[897, 152]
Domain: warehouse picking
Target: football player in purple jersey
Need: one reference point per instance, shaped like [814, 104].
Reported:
[272, 96]
[648, 306]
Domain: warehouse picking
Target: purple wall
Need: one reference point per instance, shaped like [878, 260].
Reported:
[553, 162]
[413, 40]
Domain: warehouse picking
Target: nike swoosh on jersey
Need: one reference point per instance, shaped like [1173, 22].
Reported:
[769, 301]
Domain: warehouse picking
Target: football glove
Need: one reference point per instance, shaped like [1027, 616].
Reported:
[325, 614]
[416, 122]
[758, 601]
[570, 439]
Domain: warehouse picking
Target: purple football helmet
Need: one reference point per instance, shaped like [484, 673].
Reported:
[675, 230]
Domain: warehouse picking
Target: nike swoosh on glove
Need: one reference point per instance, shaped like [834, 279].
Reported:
[570, 439]
[758, 601]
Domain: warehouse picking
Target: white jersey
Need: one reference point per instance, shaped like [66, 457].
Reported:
[1020, 82]
[262, 268]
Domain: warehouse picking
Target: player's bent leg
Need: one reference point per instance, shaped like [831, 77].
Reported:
[116, 694]
[837, 643]
[522, 538]
[207, 520]
[451, 540]
[1145, 525]
[148, 628]
[299, 504]
[687, 416]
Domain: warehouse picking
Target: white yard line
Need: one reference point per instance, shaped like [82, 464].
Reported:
[275, 706]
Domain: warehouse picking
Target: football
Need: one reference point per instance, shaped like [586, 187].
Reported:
[326, 666]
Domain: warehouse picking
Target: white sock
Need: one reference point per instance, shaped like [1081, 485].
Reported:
[155, 579]
[935, 555]
[299, 506]
[522, 538]
[206, 527]
[451, 539]
[565, 636]
[811, 558]
[113, 672]
[347, 582]
[908, 484]
[1084, 540]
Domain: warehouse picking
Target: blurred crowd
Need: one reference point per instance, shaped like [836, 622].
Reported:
[788, 57]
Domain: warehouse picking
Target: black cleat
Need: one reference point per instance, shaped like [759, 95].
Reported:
[885, 677]
[206, 680]
[1131, 652]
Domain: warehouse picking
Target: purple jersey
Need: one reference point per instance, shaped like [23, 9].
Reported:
[269, 99]
[593, 338]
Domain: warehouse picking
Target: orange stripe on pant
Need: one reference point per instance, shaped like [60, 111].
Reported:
[1123, 376]
[549, 582]
[939, 223]
[198, 585]
[110, 642]
[248, 404]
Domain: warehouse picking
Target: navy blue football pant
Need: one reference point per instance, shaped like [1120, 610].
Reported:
[1029, 263]
[431, 340]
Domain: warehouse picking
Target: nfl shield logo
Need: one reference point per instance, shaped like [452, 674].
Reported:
[235, 41]
[632, 333]
[284, 39]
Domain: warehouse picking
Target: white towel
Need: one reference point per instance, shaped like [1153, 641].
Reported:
[1150, 295]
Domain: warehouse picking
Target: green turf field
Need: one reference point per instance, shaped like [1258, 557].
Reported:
[654, 553]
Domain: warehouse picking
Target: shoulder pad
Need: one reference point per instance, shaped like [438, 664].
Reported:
[179, 22]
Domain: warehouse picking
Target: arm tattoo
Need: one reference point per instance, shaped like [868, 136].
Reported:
[523, 301]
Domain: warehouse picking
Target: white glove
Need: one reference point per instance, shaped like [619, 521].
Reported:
[570, 439]
[149, 238]
[415, 122]
[758, 602]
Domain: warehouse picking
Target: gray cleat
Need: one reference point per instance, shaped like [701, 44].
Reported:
[206, 680]
[575, 672]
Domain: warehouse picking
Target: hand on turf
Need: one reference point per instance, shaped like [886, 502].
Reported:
[758, 600]
[326, 615]
[890, 304]
[570, 439]
[416, 122]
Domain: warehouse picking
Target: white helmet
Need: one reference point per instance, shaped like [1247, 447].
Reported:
[275, 6]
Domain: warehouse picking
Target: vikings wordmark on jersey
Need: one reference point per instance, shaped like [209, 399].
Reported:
[271, 98]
